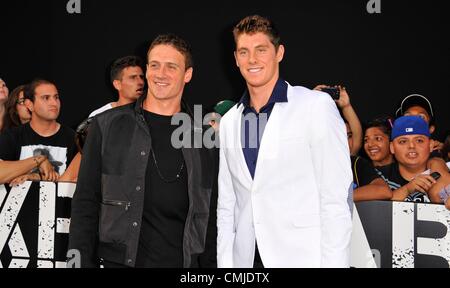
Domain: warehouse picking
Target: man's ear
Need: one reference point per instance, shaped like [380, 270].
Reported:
[188, 75]
[29, 104]
[117, 84]
[235, 58]
[391, 147]
[280, 53]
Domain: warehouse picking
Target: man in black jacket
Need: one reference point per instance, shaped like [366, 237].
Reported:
[141, 200]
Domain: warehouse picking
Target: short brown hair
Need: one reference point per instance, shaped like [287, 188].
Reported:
[176, 42]
[255, 23]
[120, 64]
[30, 89]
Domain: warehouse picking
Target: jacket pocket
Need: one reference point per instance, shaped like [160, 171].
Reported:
[114, 222]
[124, 204]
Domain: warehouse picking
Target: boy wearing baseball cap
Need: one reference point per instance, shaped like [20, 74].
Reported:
[419, 105]
[411, 147]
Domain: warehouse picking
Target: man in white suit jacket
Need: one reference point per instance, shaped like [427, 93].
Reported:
[284, 198]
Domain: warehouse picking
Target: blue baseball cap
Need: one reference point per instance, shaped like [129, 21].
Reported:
[410, 125]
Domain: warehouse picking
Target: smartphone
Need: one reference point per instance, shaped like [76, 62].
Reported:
[334, 92]
[435, 175]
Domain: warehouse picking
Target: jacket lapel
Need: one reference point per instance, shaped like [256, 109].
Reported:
[238, 145]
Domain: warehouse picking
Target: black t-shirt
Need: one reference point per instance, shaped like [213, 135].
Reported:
[363, 172]
[23, 142]
[391, 175]
[165, 204]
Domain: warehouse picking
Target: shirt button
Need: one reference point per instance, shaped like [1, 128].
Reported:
[143, 153]
[135, 224]
[138, 188]
[129, 261]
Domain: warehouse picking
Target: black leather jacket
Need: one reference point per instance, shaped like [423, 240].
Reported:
[107, 206]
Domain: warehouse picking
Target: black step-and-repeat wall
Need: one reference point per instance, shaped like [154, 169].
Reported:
[35, 222]
[379, 57]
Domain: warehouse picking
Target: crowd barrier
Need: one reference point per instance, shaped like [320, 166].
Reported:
[35, 220]
[34, 224]
[390, 234]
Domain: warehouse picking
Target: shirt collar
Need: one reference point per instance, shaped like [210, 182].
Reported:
[279, 94]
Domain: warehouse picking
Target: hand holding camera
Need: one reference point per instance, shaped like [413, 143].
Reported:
[333, 91]
[338, 94]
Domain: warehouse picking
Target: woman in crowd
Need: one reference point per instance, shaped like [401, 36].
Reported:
[18, 113]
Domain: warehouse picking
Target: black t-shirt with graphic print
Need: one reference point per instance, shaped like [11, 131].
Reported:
[23, 142]
[391, 175]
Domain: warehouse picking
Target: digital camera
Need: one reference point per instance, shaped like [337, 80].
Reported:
[333, 91]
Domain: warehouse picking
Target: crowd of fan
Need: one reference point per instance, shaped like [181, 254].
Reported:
[400, 159]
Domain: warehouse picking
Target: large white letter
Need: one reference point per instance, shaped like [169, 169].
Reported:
[74, 6]
[374, 6]
[440, 246]
[402, 235]
[46, 238]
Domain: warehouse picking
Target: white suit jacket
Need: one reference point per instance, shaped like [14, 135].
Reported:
[296, 206]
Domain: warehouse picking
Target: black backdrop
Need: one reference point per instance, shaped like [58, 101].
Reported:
[378, 57]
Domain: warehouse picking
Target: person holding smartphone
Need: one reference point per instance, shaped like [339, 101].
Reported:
[340, 95]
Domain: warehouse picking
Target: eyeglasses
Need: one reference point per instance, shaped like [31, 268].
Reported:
[20, 101]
